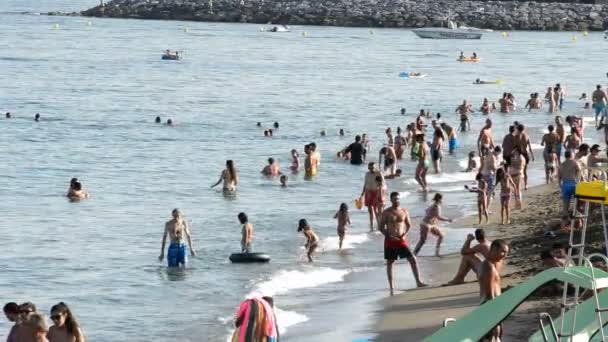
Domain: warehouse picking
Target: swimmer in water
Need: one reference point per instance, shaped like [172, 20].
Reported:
[341, 132]
[402, 111]
[169, 122]
[295, 161]
[37, 117]
[312, 161]
[157, 120]
[323, 133]
[276, 125]
[8, 115]
[246, 232]
[229, 177]
[272, 169]
[259, 124]
[487, 107]
[343, 220]
[75, 192]
[429, 224]
[283, 180]
[312, 240]
[176, 229]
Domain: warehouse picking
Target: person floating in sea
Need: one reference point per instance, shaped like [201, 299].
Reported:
[65, 328]
[507, 187]
[343, 221]
[429, 224]
[489, 278]
[283, 180]
[482, 197]
[272, 169]
[246, 233]
[472, 256]
[312, 240]
[7, 115]
[176, 229]
[229, 177]
[75, 191]
[169, 122]
[395, 224]
[372, 192]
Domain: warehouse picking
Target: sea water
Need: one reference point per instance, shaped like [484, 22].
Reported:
[99, 84]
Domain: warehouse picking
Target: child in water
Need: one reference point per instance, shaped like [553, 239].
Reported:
[343, 220]
[507, 186]
[482, 197]
[283, 181]
[312, 241]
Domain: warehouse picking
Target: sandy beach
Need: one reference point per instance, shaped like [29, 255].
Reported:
[416, 314]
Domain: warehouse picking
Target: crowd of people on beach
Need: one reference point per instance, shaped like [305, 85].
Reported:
[567, 160]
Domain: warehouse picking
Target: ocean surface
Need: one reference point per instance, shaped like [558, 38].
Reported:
[99, 84]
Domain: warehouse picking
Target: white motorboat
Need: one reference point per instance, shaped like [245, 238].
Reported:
[450, 32]
[279, 28]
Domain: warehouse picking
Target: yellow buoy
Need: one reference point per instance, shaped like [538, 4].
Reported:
[585, 33]
[503, 34]
[304, 34]
[56, 26]
[89, 23]
[186, 29]
[262, 29]
[573, 38]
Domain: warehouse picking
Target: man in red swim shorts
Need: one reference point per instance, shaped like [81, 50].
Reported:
[371, 191]
[395, 224]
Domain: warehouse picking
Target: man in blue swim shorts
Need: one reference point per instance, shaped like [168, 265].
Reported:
[177, 229]
[599, 102]
[569, 173]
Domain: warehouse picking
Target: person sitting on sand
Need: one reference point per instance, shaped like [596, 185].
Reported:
[429, 224]
[559, 257]
[312, 240]
[246, 232]
[272, 169]
[482, 196]
[489, 279]
[343, 220]
[568, 175]
[394, 225]
[76, 192]
[471, 256]
[176, 229]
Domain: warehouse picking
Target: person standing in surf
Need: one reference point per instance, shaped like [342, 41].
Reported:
[395, 224]
[229, 177]
[246, 232]
[485, 137]
[429, 224]
[176, 229]
[422, 167]
[312, 240]
[343, 220]
[372, 192]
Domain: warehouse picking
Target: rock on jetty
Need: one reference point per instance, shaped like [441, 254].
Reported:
[500, 15]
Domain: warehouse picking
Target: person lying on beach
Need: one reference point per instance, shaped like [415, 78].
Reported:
[394, 225]
[343, 220]
[482, 196]
[489, 280]
[176, 229]
[246, 232]
[76, 192]
[272, 169]
[429, 224]
[471, 260]
[312, 240]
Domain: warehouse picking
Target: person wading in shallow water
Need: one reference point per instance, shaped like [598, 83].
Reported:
[176, 228]
[395, 224]
[371, 191]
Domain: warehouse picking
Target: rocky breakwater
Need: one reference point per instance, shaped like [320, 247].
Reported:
[501, 15]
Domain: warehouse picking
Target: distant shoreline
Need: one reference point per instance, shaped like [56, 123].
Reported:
[497, 15]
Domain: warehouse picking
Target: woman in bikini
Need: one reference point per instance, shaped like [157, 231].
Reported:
[312, 240]
[229, 177]
[516, 169]
[429, 224]
[423, 163]
[506, 188]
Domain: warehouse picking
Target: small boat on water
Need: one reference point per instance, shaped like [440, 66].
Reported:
[450, 32]
[411, 75]
[171, 56]
[279, 28]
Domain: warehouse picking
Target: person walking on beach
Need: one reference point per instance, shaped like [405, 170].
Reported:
[423, 163]
[507, 186]
[357, 151]
[482, 197]
[229, 177]
[569, 174]
[599, 103]
[395, 224]
[312, 240]
[472, 256]
[272, 169]
[246, 233]
[516, 170]
[371, 192]
[489, 277]
[488, 171]
[522, 140]
[343, 220]
[485, 137]
[176, 229]
[66, 328]
[429, 224]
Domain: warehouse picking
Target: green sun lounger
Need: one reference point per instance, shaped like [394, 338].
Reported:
[480, 321]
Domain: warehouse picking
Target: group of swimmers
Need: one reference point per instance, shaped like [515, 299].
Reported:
[31, 325]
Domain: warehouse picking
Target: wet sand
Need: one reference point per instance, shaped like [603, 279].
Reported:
[415, 314]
